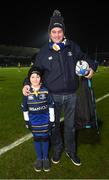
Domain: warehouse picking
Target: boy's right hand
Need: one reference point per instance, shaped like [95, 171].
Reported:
[26, 90]
[27, 125]
[51, 125]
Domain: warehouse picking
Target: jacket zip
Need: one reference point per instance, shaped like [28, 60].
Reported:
[62, 68]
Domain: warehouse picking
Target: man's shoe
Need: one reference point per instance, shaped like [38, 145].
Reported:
[74, 159]
[56, 157]
[38, 166]
[46, 165]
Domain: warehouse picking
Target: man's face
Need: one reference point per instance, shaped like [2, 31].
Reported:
[56, 34]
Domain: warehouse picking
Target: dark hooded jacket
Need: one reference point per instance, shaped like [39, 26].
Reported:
[59, 67]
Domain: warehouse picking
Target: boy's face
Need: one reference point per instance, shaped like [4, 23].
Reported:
[35, 79]
[56, 34]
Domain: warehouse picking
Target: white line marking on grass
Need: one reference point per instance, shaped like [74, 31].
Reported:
[16, 143]
[28, 136]
[103, 97]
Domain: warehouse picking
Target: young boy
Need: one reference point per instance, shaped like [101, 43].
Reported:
[38, 111]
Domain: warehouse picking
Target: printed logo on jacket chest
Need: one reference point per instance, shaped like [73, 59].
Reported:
[69, 53]
[50, 58]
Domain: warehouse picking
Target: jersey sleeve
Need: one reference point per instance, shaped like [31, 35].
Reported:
[24, 104]
[50, 101]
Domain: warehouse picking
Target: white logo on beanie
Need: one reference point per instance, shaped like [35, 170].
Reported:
[57, 24]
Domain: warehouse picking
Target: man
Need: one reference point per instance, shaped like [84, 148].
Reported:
[58, 59]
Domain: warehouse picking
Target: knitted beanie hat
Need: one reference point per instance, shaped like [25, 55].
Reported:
[56, 21]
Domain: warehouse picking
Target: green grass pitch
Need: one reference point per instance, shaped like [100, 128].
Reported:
[17, 163]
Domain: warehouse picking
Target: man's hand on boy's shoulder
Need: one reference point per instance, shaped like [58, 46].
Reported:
[26, 90]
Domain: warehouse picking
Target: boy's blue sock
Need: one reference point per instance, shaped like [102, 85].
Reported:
[38, 150]
[45, 146]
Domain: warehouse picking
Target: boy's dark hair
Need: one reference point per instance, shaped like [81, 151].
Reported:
[34, 70]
